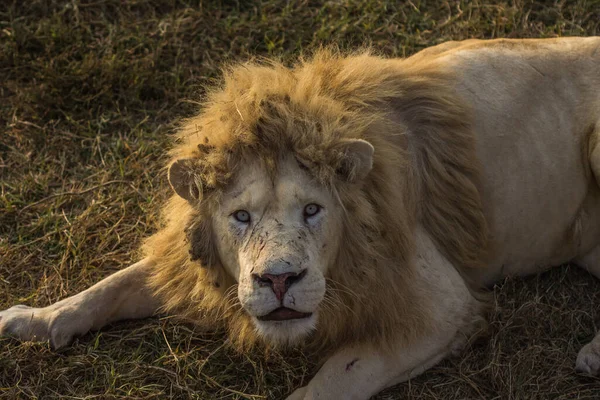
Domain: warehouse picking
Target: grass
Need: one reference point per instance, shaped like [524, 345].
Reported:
[89, 92]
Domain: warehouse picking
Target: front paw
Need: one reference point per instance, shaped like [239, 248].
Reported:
[298, 394]
[25, 323]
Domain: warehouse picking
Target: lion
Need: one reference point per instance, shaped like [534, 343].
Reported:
[361, 206]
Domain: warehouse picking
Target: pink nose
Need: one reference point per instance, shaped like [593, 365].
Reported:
[279, 283]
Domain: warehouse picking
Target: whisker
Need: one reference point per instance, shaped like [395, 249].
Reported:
[334, 285]
[339, 303]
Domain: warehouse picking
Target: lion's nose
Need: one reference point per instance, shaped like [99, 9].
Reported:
[280, 283]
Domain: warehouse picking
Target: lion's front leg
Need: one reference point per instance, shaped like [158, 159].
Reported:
[360, 372]
[123, 295]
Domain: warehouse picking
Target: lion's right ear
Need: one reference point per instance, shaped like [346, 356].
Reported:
[358, 160]
[185, 180]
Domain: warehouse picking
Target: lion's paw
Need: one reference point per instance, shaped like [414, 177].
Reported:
[25, 323]
[588, 359]
[298, 394]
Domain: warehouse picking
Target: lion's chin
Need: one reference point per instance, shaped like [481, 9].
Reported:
[286, 332]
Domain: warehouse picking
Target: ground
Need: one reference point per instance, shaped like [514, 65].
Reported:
[90, 91]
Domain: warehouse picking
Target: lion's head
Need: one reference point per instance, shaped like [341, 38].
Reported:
[298, 191]
[276, 230]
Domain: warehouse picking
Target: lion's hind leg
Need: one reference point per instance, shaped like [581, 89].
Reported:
[588, 359]
[593, 145]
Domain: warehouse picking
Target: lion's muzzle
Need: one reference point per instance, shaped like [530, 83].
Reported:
[281, 284]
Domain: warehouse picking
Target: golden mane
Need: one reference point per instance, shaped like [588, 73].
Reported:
[424, 170]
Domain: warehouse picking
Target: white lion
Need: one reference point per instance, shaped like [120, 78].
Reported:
[360, 204]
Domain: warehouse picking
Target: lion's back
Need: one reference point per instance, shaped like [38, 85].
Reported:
[535, 104]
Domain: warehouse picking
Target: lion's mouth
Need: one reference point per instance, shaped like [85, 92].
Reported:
[283, 314]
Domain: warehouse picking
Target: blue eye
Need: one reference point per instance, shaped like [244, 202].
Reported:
[242, 216]
[311, 210]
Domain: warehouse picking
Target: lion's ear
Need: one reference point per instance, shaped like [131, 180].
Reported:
[358, 159]
[185, 180]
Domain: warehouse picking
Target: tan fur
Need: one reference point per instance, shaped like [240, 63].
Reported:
[267, 110]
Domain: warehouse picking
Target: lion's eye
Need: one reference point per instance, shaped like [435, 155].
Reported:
[311, 210]
[242, 216]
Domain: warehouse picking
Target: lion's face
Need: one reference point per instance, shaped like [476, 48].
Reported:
[278, 234]
[276, 230]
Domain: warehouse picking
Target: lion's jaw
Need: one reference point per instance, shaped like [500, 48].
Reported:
[280, 256]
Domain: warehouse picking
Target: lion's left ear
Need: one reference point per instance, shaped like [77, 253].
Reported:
[185, 180]
[358, 160]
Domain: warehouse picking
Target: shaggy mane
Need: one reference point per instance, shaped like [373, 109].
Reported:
[424, 172]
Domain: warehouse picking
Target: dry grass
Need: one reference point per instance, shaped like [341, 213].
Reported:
[88, 93]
